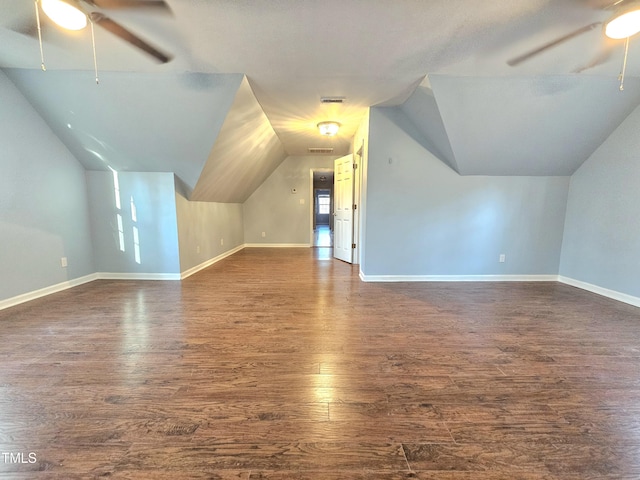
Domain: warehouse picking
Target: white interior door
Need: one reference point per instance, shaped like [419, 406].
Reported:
[343, 205]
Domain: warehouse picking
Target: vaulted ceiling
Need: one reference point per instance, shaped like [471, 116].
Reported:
[443, 61]
[518, 125]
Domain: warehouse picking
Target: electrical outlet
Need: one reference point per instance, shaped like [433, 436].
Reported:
[222, 241]
[264, 234]
[63, 262]
[302, 201]
[503, 258]
[198, 249]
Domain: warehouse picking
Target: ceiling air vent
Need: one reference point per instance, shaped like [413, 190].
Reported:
[332, 99]
[320, 149]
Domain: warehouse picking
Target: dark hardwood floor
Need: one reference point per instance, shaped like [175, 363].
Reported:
[277, 364]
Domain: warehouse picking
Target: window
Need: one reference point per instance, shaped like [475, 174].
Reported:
[324, 204]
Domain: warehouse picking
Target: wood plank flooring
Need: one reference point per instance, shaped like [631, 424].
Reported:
[282, 364]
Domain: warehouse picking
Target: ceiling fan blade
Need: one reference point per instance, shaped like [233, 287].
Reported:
[605, 4]
[120, 4]
[532, 53]
[119, 31]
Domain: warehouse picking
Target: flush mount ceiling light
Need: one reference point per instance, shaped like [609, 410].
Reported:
[64, 14]
[625, 23]
[328, 129]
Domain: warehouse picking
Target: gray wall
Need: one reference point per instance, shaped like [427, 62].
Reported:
[422, 218]
[203, 225]
[154, 197]
[43, 202]
[602, 231]
[273, 209]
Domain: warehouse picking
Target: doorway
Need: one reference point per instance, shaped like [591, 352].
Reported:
[323, 233]
[322, 208]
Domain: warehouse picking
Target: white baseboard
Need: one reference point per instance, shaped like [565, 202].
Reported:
[277, 245]
[458, 278]
[137, 276]
[208, 263]
[621, 297]
[605, 292]
[26, 297]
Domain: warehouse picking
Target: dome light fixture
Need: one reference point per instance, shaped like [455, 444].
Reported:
[328, 129]
[64, 14]
[625, 24]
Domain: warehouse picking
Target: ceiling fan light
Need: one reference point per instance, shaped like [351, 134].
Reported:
[328, 129]
[623, 26]
[64, 14]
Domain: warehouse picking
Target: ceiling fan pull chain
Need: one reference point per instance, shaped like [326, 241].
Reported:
[44, 69]
[624, 64]
[95, 58]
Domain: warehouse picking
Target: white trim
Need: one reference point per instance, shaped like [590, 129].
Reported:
[277, 245]
[208, 263]
[458, 278]
[137, 276]
[605, 292]
[26, 297]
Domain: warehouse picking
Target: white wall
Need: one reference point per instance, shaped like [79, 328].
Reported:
[424, 219]
[273, 209]
[601, 243]
[155, 205]
[43, 202]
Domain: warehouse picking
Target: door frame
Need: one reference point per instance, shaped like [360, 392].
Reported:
[357, 198]
[312, 198]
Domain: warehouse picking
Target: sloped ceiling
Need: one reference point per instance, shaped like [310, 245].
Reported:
[422, 109]
[519, 125]
[245, 153]
[477, 113]
[133, 121]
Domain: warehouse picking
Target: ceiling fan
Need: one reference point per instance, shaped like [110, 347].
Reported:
[623, 24]
[75, 14]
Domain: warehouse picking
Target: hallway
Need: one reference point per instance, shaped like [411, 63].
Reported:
[322, 236]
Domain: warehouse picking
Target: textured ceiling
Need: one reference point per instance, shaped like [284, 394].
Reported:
[478, 114]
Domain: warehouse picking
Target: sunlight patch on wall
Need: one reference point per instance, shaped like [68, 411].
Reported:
[120, 232]
[136, 245]
[116, 192]
[134, 213]
[116, 188]
[136, 234]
